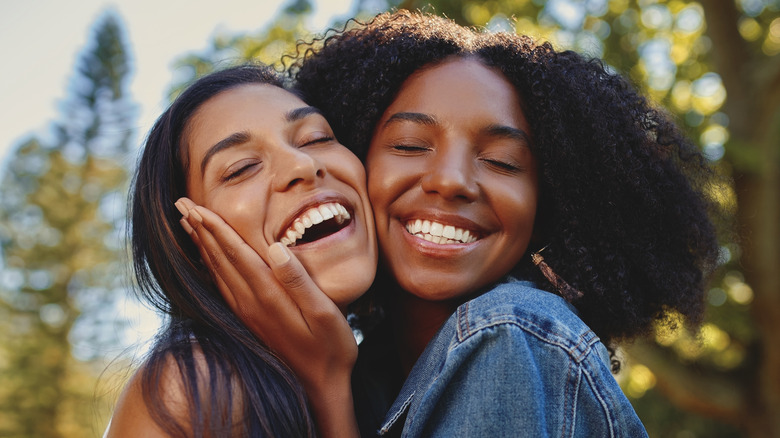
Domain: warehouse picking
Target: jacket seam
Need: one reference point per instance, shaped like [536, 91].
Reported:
[391, 422]
[571, 393]
[576, 350]
[600, 397]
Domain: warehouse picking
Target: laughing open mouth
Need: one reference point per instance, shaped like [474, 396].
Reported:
[316, 223]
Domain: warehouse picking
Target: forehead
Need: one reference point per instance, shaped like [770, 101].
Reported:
[249, 107]
[457, 82]
[244, 103]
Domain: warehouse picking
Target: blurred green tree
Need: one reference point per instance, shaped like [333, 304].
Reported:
[269, 45]
[714, 64]
[62, 222]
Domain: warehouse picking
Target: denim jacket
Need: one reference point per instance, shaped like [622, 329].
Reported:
[515, 361]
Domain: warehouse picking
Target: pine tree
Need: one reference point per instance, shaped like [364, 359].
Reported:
[62, 219]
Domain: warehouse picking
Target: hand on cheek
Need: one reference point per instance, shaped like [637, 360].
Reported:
[276, 298]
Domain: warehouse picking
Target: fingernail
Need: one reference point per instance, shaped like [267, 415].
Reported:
[186, 225]
[181, 207]
[196, 215]
[278, 253]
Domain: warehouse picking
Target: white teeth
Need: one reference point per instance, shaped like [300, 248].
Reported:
[449, 232]
[311, 217]
[414, 227]
[340, 212]
[439, 233]
[326, 213]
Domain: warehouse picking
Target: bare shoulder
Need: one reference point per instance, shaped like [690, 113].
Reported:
[135, 416]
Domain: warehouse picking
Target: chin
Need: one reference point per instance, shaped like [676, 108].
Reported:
[432, 290]
[342, 288]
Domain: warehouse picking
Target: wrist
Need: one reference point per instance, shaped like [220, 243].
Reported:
[333, 408]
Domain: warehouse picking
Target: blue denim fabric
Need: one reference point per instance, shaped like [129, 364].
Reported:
[515, 361]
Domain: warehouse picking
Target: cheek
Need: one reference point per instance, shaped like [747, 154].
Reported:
[243, 214]
[518, 209]
[390, 177]
[343, 164]
[378, 184]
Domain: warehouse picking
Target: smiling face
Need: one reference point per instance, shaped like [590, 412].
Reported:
[269, 165]
[452, 180]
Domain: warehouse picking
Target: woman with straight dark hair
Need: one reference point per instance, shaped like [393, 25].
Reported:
[237, 142]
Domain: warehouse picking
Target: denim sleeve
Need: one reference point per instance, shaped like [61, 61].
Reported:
[504, 380]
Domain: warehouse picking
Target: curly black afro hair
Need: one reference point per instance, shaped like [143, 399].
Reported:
[623, 205]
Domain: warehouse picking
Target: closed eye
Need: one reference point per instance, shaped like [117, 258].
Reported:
[503, 165]
[233, 174]
[318, 140]
[409, 148]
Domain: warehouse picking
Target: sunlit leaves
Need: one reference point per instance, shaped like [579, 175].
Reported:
[638, 381]
[711, 344]
[268, 45]
[750, 29]
[771, 45]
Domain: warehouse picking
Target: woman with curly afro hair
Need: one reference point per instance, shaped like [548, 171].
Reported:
[532, 211]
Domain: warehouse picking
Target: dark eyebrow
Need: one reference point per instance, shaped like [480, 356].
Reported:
[423, 119]
[238, 138]
[509, 132]
[299, 113]
[234, 139]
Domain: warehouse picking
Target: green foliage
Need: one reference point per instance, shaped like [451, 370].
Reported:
[62, 222]
[268, 45]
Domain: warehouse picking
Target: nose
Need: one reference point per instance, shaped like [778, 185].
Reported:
[296, 167]
[451, 174]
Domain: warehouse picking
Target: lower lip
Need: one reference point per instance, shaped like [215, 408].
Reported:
[332, 239]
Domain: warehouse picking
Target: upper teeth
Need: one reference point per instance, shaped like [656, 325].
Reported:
[311, 217]
[439, 233]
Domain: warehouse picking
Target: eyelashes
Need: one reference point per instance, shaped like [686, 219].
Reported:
[506, 166]
[318, 140]
[233, 174]
[409, 148]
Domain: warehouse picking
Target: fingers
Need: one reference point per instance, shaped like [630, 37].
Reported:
[247, 282]
[297, 282]
[231, 283]
[184, 205]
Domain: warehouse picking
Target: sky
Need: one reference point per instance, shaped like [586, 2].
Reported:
[41, 40]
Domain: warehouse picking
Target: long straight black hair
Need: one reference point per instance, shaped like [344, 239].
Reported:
[244, 389]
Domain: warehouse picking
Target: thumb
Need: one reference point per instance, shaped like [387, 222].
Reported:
[294, 278]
